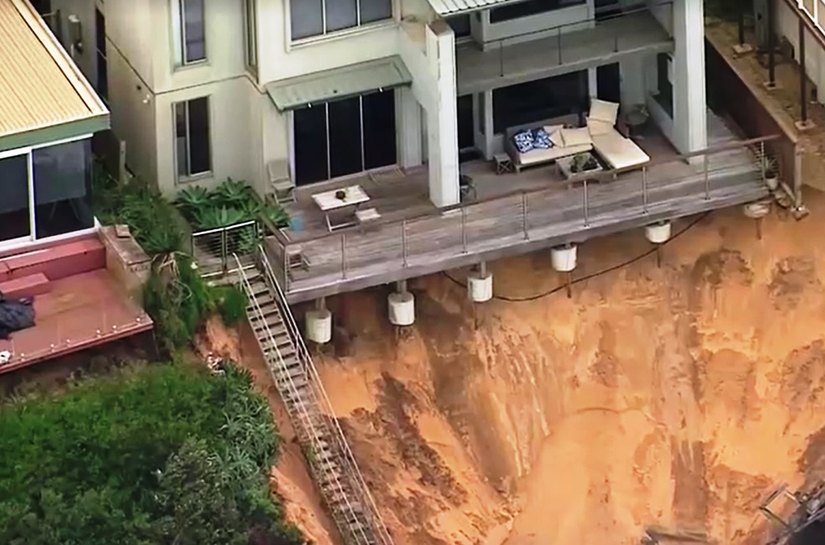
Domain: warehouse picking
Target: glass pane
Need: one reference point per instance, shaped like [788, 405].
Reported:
[375, 10]
[345, 137]
[14, 206]
[341, 14]
[181, 146]
[379, 129]
[199, 151]
[460, 25]
[310, 127]
[307, 18]
[194, 43]
[538, 100]
[530, 7]
[465, 122]
[63, 188]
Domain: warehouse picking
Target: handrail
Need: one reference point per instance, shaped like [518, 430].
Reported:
[299, 400]
[289, 320]
[727, 146]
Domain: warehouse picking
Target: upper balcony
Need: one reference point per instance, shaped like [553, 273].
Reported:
[558, 50]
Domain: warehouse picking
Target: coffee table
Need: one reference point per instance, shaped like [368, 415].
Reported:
[329, 203]
[565, 165]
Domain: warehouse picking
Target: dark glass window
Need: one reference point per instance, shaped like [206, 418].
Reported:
[375, 10]
[14, 206]
[379, 129]
[194, 31]
[102, 68]
[63, 188]
[530, 7]
[311, 145]
[307, 18]
[539, 100]
[460, 25]
[345, 137]
[665, 95]
[465, 122]
[318, 17]
[341, 14]
[192, 137]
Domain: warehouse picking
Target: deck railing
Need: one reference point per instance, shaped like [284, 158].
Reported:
[525, 215]
[213, 248]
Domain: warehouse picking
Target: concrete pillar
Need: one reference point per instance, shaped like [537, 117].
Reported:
[319, 323]
[480, 284]
[658, 234]
[401, 305]
[689, 103]
[442, 123]
[632, 74]
[564, 259]
[410, 110]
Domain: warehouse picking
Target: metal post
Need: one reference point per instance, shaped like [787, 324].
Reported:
[741, 21]
[803, 78]
[286, 268]
[524, 223]
[707, 179]
[464, 229]
[404, 241]
[771, 46]
[343, 255]
[223, 250]
[584, 193]
[762, 163]
[644, 189]
[501, 58]
[616, 42]
[558, 42]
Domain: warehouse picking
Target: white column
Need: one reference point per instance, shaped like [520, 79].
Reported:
[410, 133]
[633, 80]
[689, 105]
[442, 122]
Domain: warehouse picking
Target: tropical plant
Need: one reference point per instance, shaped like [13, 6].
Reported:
[207, 218]
[582, 162]
[231, 303]
[193, 198]
[231, 193]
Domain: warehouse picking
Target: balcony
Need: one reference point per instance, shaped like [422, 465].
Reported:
[512, 214]
[558, 50]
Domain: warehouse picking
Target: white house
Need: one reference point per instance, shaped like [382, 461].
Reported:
[201, 91]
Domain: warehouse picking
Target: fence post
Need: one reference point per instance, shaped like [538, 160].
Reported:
[644, 189]
[286, 266]
[762, 163]
[223, 250]
[404, 241]
[524, 223]
[501, 58]
[586, 214]
[343, 255]
[558, 42]
[464, 229]
[707, 178]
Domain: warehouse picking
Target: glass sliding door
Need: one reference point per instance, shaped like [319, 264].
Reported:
[15, 222]
[62, 188]
[345, 137]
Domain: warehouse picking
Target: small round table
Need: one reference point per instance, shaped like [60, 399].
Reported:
[635, 119]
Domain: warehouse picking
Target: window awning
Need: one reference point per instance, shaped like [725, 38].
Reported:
[447, 8]
[338, 83]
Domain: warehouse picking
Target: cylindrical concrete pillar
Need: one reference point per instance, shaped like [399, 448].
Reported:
[658, 233]
[480, 286]
[564, 257]
[401, 308]
[319, 325]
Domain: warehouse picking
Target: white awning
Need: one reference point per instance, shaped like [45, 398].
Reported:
[447, 8]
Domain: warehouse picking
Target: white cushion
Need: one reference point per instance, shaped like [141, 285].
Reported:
[597, 127]
[556, 137]
[603, 110]
[576, 137]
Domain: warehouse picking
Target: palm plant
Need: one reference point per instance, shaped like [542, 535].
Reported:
[207, 218]
[232, 193]
[192, 199]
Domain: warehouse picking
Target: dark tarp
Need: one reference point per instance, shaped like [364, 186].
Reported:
[15, 315]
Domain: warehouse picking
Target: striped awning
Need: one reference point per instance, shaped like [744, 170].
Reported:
[338, 83]
[447, 8]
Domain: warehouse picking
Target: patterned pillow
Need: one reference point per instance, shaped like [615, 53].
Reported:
[523, 141]
[541, 139]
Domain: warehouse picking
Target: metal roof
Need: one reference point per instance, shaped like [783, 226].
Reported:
[43, 95]
[339, 83]
[446, 8]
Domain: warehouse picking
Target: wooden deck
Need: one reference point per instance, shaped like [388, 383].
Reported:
[516, 60]
[513, 214]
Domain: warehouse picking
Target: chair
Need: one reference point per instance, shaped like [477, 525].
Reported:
[283, 188]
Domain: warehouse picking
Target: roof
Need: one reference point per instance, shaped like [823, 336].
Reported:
[447, 8]
[43, 95]
[339, 83]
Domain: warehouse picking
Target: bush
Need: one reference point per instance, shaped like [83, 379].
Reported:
[232, 303]
[230, 203]
[157, 455]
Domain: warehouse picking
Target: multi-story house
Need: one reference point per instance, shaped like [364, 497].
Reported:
[413, 99]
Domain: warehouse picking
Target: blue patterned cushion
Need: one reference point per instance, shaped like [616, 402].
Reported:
[541, 140]
[523, 141]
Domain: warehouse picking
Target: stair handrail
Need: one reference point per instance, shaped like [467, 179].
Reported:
[301, 345]
[301, 403]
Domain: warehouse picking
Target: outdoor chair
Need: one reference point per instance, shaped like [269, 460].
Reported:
[283, 188]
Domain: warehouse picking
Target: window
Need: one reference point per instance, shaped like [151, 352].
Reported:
[192, 31]
[460, 25]
[250, 33]
[14, 206]
[63, 188]
[539, 100]
[318, 17]
[192, 140]
[665, 88]
[530, 7]
[344, 137]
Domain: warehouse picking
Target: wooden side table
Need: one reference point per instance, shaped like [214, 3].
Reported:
[504, 164]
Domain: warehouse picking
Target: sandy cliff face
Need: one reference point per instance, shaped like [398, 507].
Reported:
[672, 396]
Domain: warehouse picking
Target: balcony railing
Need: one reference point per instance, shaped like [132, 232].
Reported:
[729, 174]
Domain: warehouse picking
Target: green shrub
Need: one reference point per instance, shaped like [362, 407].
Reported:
[231, 202]
[231, 302]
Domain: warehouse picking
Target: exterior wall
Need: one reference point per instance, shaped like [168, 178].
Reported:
[787, 26]
[85, 11]
[564, 20]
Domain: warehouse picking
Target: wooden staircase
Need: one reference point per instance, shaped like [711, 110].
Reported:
[330, 459]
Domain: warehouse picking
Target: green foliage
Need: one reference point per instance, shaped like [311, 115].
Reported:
[231, 303]
[213, 216]
[161, 455]
[231, 202]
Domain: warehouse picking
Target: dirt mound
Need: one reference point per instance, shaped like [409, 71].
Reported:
[672, 396]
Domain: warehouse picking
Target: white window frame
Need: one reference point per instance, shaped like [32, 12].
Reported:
[22, 242]
[189, 177]
[358, 28]
[179, 36]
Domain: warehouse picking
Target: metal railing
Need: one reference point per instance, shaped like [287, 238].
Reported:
[523, 215]
[605, 35]
[213, 248]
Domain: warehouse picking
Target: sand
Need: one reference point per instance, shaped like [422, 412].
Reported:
[674, 396]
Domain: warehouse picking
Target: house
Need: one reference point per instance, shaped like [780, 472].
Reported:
[407, 98]
[50, 247]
